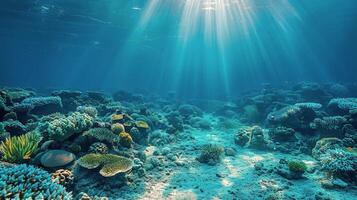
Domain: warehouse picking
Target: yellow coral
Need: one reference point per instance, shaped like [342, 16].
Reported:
[142, 124]
[112, 164]
[117, 117]
[117, 128]
[125, 139]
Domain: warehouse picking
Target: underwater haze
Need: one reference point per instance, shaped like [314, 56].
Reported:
[178, 99]
[196, 48]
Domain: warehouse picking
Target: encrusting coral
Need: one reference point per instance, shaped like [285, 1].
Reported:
[28, 182]
[111, 164]
[19, 149]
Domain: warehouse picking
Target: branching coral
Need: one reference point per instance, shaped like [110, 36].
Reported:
[111, 164]
[339, 163]
[28, 182]
[19, 149]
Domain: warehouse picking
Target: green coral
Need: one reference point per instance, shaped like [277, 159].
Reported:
[19, 149]
[297, 166]
[29, 182]
[102, 134]
[111, 164]
[61, 129]
[210, 154]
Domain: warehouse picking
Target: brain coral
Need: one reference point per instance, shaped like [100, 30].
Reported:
[111, 164]
[28, 182]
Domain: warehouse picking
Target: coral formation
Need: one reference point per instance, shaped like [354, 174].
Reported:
[19, 149]
[62, 128]
[211, 154]
[340, 164]
[125, 139]
[297, 166]
[63, 177]
[117, 128]
[110, 164]
[102, 135]
[99, 148]
[342, 106]
[43, 105]
[28, 182]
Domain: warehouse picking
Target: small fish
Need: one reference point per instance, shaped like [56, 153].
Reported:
[136, 8]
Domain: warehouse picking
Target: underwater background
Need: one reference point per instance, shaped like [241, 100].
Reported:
[178, 99]
[191, 47]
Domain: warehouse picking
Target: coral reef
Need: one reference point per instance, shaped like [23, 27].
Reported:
[110, 164]
[28, 182]
[148, 147]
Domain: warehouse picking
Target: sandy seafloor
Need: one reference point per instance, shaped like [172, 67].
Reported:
[234, 178]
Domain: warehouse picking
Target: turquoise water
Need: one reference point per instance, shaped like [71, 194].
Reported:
[196, 48]
[178, 99]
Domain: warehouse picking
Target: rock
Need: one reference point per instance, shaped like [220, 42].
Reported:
[230, 152]
[15, 127]
[56, 158]
[333, 183]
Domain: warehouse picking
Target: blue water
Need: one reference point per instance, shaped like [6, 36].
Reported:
[197, 48]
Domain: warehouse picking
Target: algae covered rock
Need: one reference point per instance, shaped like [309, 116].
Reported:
[57, 158]
[28, 182]
[110, 164]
